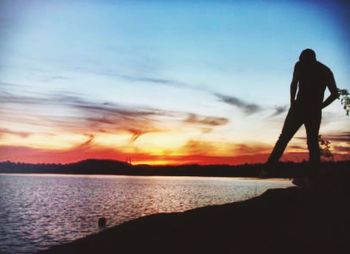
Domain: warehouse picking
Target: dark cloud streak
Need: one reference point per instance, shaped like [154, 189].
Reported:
[206, 120]
[91, 116]
[278, 110]
[157, 81]
[247, 107]
[341, 137]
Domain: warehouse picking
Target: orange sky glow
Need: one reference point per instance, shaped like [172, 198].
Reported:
[158, 82]
[71, 148]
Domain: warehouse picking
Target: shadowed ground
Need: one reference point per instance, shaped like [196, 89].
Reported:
[293, 220]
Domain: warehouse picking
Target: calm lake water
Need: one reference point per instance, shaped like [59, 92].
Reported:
[39, 211]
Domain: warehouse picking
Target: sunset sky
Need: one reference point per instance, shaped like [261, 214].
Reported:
[162, 82]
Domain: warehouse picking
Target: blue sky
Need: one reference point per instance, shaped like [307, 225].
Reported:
[180, 57]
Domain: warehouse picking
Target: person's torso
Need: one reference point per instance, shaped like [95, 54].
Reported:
[313, 80]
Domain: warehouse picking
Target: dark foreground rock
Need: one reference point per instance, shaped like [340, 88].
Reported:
[293, 220]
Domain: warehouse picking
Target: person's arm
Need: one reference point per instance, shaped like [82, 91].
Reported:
[332, 87]
[294, 84]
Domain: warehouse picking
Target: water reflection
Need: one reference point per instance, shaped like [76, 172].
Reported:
[37, 211]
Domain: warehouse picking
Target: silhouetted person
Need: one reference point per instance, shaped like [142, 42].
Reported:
[310, 79]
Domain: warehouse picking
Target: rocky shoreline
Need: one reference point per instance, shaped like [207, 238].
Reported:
[292, 220]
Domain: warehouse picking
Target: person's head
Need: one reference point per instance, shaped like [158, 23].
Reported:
[307, 56]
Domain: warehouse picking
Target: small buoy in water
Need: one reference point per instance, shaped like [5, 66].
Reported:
[102, 222]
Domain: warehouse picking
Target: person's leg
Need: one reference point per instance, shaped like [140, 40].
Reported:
[291, 125]
[312, 125]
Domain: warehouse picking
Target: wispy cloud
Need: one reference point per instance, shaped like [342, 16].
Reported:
[278, 110]
[105, 108]
[342, 149]
[50, 78]
[22, 134]
[85, 116]
[199, 147]
[341, 137]
[298, 147]
[150, 78]
[255, 148]
[155, 80]
[206, 120]
[86, 144]
[90, 115]
[247, 107]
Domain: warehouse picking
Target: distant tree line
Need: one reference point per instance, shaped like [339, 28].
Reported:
[112, 167]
